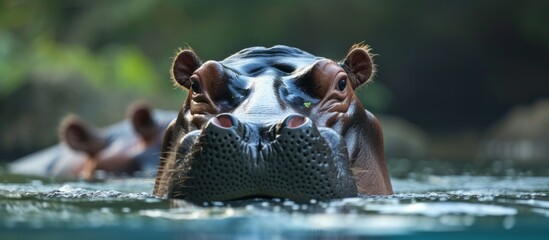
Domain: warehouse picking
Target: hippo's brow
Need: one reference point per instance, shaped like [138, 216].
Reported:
[284, 67]
[231, 69]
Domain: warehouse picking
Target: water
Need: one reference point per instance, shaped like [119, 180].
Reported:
[425, 205]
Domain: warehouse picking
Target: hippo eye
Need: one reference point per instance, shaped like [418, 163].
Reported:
[342, 84]
[195, 86]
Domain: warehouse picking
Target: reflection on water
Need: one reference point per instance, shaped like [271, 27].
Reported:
[430, 205]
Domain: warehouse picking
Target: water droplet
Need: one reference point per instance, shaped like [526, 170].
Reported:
[508, 222]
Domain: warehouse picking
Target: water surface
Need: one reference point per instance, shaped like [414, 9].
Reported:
[425, 205]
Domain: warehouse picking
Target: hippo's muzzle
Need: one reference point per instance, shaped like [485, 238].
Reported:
[230, 159]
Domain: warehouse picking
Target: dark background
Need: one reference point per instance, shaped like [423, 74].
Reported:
[453, 69]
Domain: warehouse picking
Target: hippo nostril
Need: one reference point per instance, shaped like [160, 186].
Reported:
[224, 121]
[292, 122]
[295, 121]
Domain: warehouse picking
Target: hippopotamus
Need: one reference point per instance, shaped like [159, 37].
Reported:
[272, 122]
[88, 153]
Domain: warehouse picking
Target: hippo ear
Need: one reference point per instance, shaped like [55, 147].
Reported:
[359, 64]
[184, 66]
[80, 136]
[142, 120]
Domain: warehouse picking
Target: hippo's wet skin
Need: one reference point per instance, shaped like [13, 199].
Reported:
[272, 122]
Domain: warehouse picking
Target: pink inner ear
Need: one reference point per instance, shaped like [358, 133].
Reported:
[184, 66]
[360, 63]
[77, 135]
[142, 119]
[83, 138]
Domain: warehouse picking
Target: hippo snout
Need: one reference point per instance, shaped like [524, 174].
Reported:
[230, 159]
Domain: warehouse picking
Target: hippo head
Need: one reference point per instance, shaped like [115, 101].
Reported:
[121, 149]
[272, 122]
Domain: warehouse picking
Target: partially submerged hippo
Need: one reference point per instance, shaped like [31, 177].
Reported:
[272, 122]
[86, 152]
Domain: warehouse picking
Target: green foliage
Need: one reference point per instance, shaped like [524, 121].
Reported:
[40, 51]
[11, 68]
[132, 70]
[122, 67]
